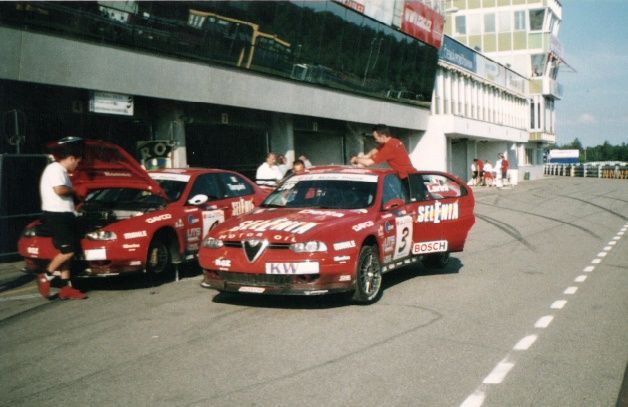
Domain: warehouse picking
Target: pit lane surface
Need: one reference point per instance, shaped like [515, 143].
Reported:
[532, 313]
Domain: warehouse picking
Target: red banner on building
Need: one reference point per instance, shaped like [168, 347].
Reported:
[422, 23]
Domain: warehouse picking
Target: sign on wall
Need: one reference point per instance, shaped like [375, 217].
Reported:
[423, 23]
[111, 103]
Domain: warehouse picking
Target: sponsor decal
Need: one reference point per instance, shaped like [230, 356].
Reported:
[95, 254]
[361, 226]
[388, 227]
[438, 188]
[135, 235]
[211, 218]
[159, 218]
[292, 268]
[169, 176]
[131, 246]
[322, 213]
[342, 259]
[388, 259]
[281, 225]
[192, 247]
[236, 187]
[193, 235]
[179, 223]
[380, 231]
[344, 277]
[403, 236]
[389, 244]
[437, 212]
[349, 244]
[116, 174]
[189, 210]
[241, 206]
[192, 219]
[387, 215]
[135, 263]
[223, 263]
[32, 250]
[359, 211]
[434, 246]
[256, 290]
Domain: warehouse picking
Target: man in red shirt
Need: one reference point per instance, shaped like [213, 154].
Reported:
[390, 150]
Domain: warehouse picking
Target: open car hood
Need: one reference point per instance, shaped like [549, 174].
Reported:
[107, 165]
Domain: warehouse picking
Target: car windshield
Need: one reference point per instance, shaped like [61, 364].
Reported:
[332, 191]
[122, 197]
[173, 189]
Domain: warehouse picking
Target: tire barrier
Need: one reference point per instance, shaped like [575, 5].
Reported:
[587, 171]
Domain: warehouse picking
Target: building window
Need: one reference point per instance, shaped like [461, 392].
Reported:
[538, 64]
[504, 21]
[461, 25]
[489, 23]
[520, 20]
[536, 19]
[532, 115]
[475, 24]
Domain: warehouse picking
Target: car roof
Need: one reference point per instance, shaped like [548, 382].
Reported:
[349, 169]
[190, 171]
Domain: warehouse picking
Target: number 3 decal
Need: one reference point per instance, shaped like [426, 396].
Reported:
[403, 236]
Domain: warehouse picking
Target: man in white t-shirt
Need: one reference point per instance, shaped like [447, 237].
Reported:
[268, 174]
[57, 204]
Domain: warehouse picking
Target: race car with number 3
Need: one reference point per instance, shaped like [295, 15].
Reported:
[338, 229]
[132, 220]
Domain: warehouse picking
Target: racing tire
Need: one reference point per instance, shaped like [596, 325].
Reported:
[158, 257]
[368, 284]
[436, 260]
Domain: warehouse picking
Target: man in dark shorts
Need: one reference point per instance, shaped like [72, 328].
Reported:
[57, 204]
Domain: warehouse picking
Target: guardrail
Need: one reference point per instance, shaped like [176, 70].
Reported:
[587, 170]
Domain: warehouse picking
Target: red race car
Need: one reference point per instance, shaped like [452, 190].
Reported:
[133, 220]
[338, 229]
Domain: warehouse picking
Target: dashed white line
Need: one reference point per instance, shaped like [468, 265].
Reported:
[616, 237]
[602, 254]
[596, 261]
[544, 322]
[525, 343]
[589, 269]
[474, 400]
[499, 372]
[580, 279]
[612, 243]
[570, 290]
[607, 249]
[558, 304]
[621, 233]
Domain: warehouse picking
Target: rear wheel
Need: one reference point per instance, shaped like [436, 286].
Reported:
[158, 258]
[368, 285]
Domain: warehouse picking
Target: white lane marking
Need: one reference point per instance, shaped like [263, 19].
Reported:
[612, 243]
[621, 233]
[580, 279]
[499, 372]
[616, 237]
[525, 343]
[596, 261]
[544, 322]
[602, 254]
[570, 290]
[474, 400]
[558, 304]
[607, 248]
[589, 269]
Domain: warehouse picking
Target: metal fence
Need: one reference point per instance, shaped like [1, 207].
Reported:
[587, 170]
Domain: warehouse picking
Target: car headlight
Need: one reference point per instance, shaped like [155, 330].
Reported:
[211, 243]
[30, 232]
[101, 235]
[309, 247]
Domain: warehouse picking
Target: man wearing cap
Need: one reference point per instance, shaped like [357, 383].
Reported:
[390, 150]
[57, 204]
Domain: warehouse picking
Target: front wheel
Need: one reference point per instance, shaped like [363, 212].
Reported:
[368, 285]
[158, 259]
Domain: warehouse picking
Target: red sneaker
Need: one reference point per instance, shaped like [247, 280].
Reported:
[71, 293]
[43, 284]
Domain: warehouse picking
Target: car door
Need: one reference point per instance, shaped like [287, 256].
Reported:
[427, 232]
[396, 224]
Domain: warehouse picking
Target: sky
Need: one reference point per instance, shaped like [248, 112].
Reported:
[594, 107]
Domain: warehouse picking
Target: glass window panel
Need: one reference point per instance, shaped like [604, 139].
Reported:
[461, 25]
[489, 23]
[505, 21]
[536, 19]
[475, 24]
[520, 20]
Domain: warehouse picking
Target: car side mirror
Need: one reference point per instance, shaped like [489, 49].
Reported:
[393, 203]
[199, 199]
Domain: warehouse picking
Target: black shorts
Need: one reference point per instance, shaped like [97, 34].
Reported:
[62, 228]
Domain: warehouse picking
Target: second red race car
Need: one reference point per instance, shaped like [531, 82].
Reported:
[132, 220]
[338, 229]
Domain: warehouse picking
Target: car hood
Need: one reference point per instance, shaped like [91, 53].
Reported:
[289, 225]
[107, 165]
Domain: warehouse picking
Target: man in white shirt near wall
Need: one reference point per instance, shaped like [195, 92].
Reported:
[57, 204]
[268, 174]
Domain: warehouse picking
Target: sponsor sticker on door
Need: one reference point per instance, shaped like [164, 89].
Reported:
[434, 246]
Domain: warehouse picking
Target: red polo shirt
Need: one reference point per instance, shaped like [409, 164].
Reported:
[395, 154]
